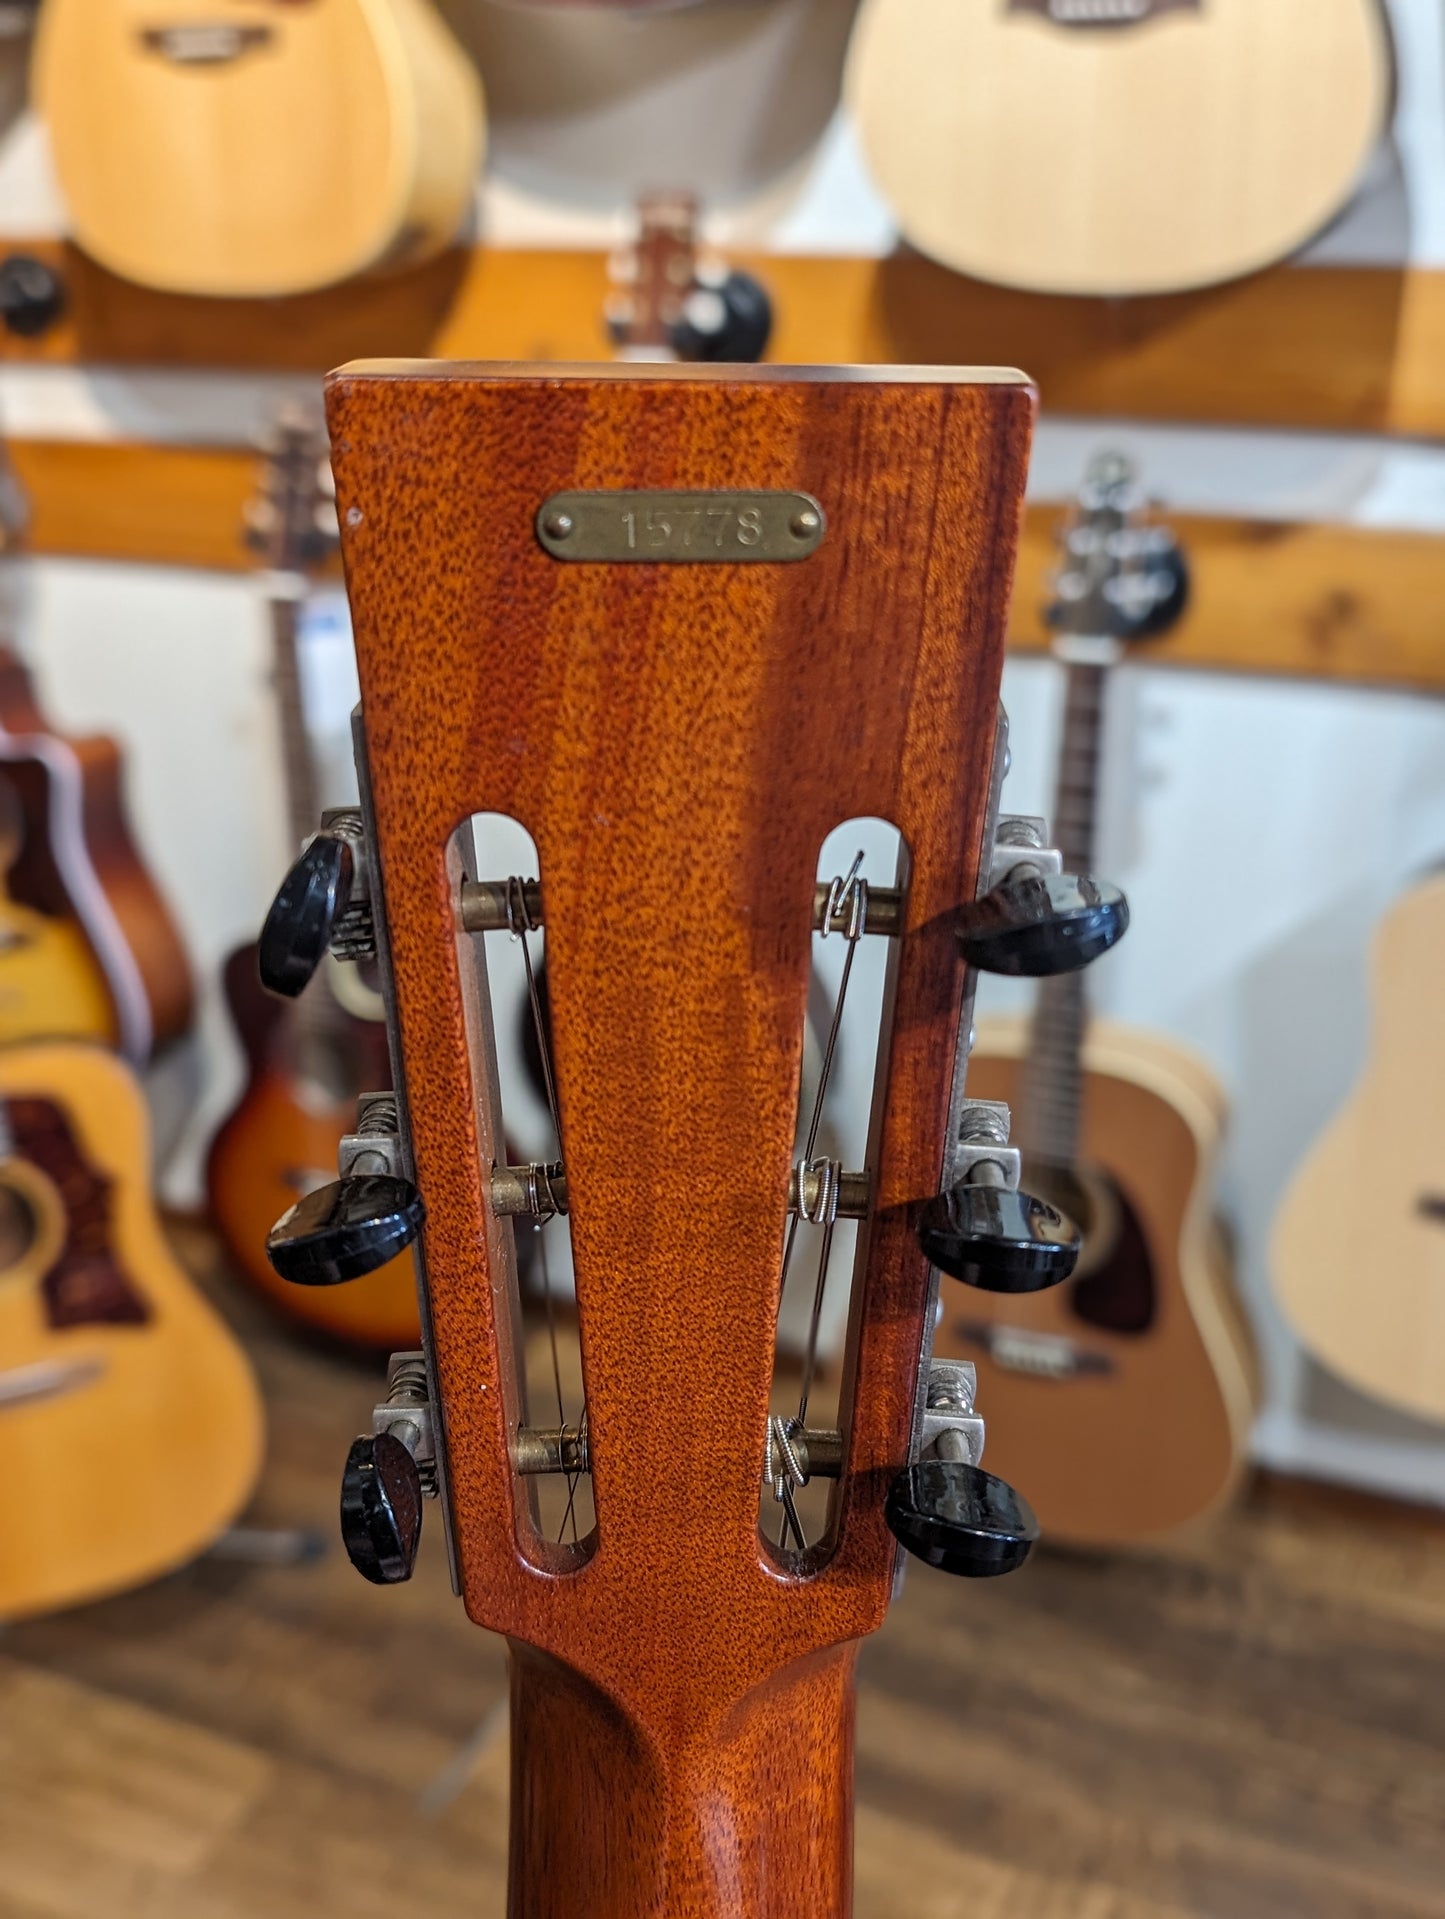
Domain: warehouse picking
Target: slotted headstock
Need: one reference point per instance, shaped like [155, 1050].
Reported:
[783, 607]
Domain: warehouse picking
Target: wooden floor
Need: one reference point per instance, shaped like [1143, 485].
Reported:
[1249, 1727]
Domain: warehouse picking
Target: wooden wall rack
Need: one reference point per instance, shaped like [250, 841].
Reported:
[1328, 602]
[1354, 349]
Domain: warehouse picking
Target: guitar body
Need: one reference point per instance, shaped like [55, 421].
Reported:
[255, 148]
[130, 1424]
[1151, 1432]
[281, 1139]
[1205, 140]
[99, 956]
[1358, 1250]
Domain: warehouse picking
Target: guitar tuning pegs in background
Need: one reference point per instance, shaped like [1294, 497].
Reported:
[727, 316]
[345, 1230]
[32, 296]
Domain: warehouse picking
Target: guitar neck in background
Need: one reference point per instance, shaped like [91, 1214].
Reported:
[1053, 1076]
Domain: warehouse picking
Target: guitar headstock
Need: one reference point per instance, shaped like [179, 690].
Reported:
[1123, 578]
[679, 626]
[672, 300]
[291, 518]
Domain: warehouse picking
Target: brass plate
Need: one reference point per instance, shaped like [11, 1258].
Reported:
[681, 528]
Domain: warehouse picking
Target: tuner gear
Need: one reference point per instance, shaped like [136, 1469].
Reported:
[304, 914]
[345, 1230]
[960, 1519]
[726, 316]
[381, 1497]
[997, 1239]
[1033, 924]
[32, 296]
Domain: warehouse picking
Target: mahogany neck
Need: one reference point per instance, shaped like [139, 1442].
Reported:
[751, 1820]
[1052, 1085]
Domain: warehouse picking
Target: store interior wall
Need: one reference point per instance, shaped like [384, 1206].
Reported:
[1260, 828]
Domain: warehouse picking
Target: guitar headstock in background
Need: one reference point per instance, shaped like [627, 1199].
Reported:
[680, 624]
[671, 300]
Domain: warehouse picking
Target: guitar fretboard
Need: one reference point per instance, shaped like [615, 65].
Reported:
[1048, 1119]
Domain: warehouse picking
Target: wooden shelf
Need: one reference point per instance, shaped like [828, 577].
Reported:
[1324, 602]
[1345, 348]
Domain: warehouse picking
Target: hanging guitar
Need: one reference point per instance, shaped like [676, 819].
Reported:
[305, 1063]
[88, 948]
[1112, 147]
[681, 623]
[130, 1424]
[1145, 1349]
[253, 148]
[1369, 1196]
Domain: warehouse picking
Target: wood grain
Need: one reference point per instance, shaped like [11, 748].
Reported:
[680, 741]
[1238, 1728]
[1349, 348]
[1273, 597]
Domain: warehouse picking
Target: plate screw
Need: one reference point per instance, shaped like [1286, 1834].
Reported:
[557, 524]
[804, 522]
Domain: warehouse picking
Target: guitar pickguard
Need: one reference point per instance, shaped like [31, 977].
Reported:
[84, 1284]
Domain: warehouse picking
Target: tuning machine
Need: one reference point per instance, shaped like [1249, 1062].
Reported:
[1036, 920]
[982, 1229]
[389, 1471]
[323, 904]
[944, 1508]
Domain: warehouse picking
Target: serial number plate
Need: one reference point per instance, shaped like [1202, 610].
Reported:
[681, 527]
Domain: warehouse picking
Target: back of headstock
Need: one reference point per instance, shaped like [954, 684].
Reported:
[679, 624]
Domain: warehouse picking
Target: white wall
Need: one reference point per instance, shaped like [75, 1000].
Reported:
[1259, 828]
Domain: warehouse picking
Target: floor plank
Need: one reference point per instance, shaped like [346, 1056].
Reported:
[1247, 1725]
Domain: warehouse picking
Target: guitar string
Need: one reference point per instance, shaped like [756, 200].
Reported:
[849, 895]
[520, 925]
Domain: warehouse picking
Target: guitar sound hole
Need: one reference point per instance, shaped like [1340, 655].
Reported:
[1116, 1291]
[17, 1228]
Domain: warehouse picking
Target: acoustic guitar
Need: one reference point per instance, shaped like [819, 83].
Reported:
[1367, 1207]
[130, 1424]
[1117, 146]
[682, 622]
[88, 948]
[257, 147]
[1145, 1350]
[304, 1063]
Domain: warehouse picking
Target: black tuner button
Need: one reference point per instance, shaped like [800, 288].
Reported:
[345, 1230]
[960, 1519]
[381, 1509]
[303, 915]
[727, 316]
[1033, 925]
[32, 296]
[997, 1239]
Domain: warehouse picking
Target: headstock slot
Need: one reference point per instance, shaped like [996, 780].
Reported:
[680, 740]
[862, 867]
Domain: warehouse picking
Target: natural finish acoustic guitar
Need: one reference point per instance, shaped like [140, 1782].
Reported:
[1117, 146]
[1143, 1357]
[130, 1424]
[682, 622]
[258, 147]
[304, 1063]
[1358, 1249]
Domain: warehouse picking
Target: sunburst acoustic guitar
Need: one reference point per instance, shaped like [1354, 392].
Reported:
[1367, 1206]
[1118, 146]
[683, 622]
[130, 1424]
[1145, 1350]
[257, 147]
[305, 1062]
